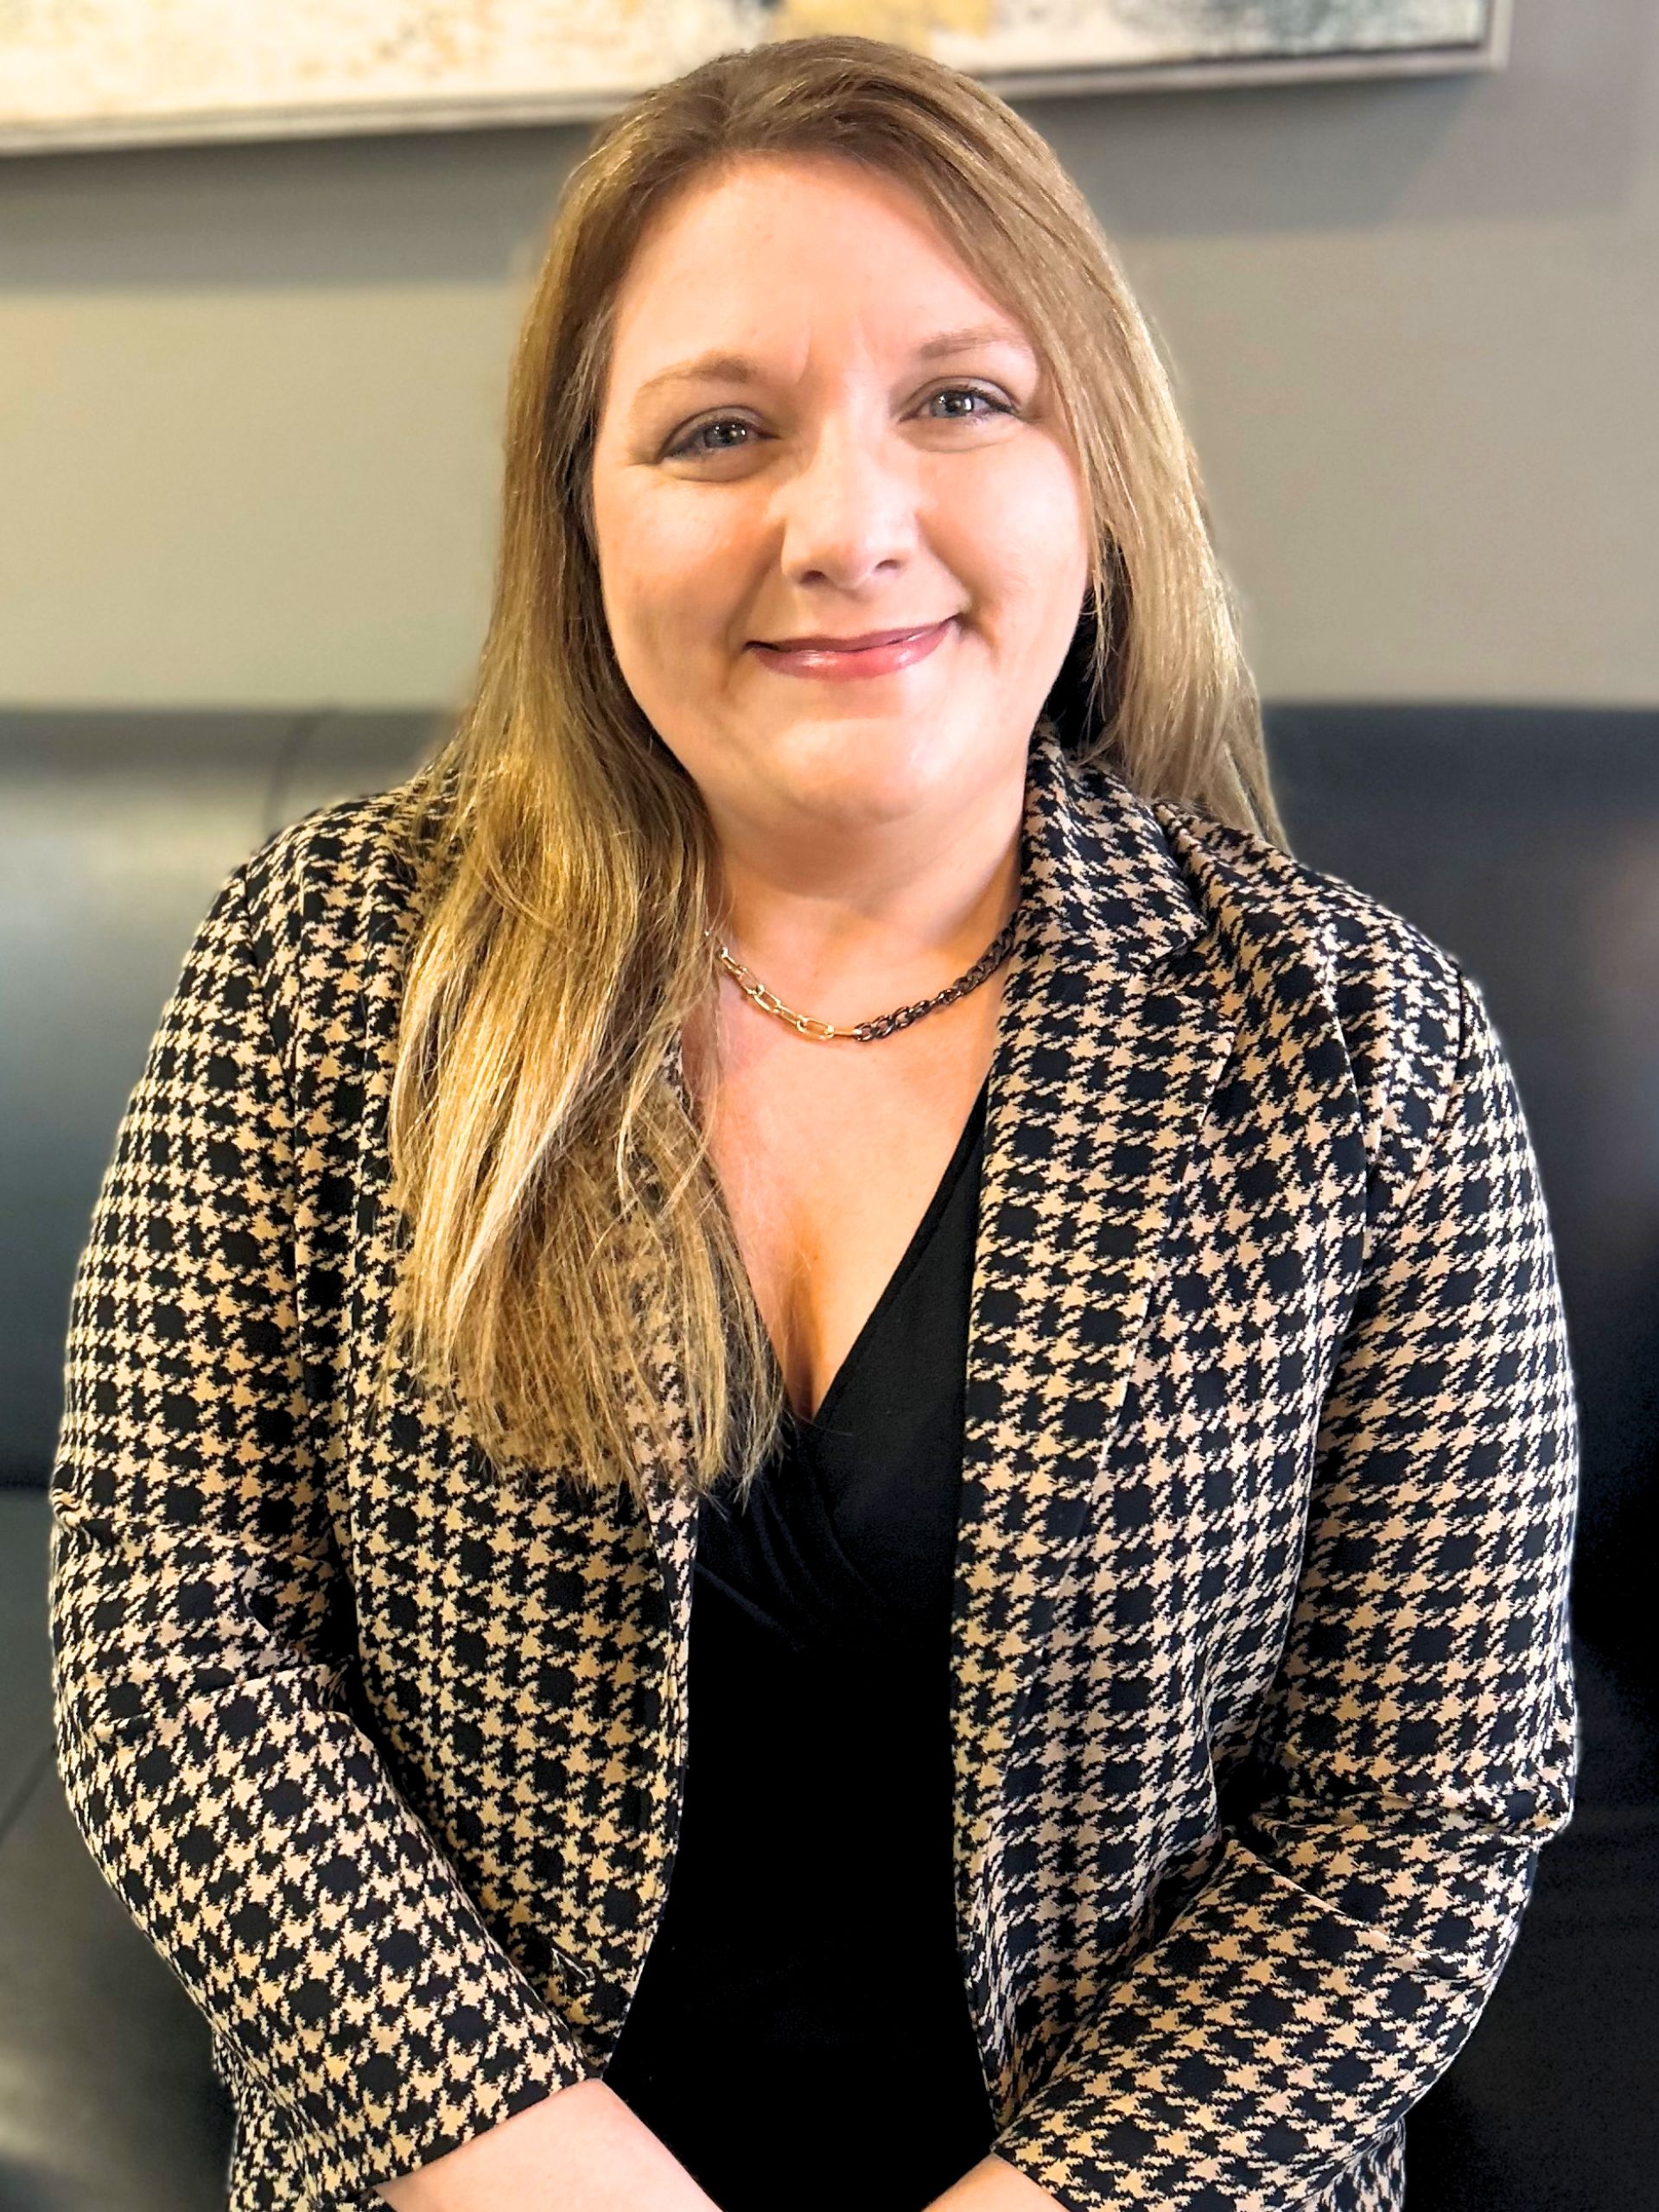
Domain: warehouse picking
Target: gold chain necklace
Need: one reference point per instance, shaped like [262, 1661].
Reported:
[865, 1032]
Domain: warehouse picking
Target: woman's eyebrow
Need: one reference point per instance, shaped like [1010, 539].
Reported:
[742, 368]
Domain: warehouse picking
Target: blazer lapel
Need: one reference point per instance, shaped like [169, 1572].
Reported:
[1110, 1046]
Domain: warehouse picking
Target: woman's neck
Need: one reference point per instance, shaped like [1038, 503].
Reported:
[836, 925]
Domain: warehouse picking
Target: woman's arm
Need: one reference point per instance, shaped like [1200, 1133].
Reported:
[208, 1753]
[1417, 1748]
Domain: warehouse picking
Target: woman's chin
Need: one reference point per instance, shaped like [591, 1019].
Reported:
[852, 779]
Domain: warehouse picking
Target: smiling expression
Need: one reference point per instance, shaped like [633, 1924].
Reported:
[818, 427]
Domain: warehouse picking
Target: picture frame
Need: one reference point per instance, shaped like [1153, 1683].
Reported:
[134, 73]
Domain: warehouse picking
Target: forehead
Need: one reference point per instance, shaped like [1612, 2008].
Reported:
[773, 249]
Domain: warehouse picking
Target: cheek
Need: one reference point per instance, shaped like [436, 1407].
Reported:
[678, 569]
[1020, 531]
[1041, 516]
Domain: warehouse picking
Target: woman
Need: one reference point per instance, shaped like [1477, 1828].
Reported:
[883, 1139]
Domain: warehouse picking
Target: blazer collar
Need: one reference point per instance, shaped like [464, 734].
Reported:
[1100, 886]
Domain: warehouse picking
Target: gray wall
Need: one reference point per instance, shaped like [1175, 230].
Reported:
[249, 398]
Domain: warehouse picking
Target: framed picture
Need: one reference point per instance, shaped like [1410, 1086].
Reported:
[112, 73]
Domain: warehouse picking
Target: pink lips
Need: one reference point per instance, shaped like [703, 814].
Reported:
[846, 662]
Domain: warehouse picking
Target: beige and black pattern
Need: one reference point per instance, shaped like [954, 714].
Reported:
[1262, 1695]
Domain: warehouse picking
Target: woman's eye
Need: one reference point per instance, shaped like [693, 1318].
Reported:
[689, 446]
[992, 400]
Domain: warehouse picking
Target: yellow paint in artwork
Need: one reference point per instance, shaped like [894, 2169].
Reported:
[906, 22]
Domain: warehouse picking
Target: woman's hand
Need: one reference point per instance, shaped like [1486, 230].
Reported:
[995, 2185]
[580, 2150]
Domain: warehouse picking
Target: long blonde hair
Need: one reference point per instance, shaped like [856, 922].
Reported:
[560, 1209]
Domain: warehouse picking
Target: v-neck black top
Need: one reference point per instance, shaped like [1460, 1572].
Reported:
[801, 2034]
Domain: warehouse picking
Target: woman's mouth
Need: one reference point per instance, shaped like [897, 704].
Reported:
[850, 661]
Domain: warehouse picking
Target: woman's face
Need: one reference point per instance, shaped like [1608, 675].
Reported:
[882, 457]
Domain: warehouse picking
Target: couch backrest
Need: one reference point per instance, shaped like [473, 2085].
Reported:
[1526, 840]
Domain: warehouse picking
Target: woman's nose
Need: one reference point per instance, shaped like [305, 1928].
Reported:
[851, 502]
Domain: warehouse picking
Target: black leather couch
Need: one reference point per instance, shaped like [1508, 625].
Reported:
[1525, 840]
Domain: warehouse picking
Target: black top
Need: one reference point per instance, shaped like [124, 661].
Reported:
[801, 2034]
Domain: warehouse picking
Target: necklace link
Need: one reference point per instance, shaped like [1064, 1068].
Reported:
[867, 1033]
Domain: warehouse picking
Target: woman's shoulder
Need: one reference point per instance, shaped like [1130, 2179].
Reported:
[1330, 964]
[1266, 903]
[342, 880]
[1257, 889]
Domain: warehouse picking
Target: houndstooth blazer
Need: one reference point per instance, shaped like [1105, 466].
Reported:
[1261, 1696]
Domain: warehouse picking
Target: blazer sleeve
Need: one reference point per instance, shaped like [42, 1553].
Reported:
[205, 1742]
[1417, 1747]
